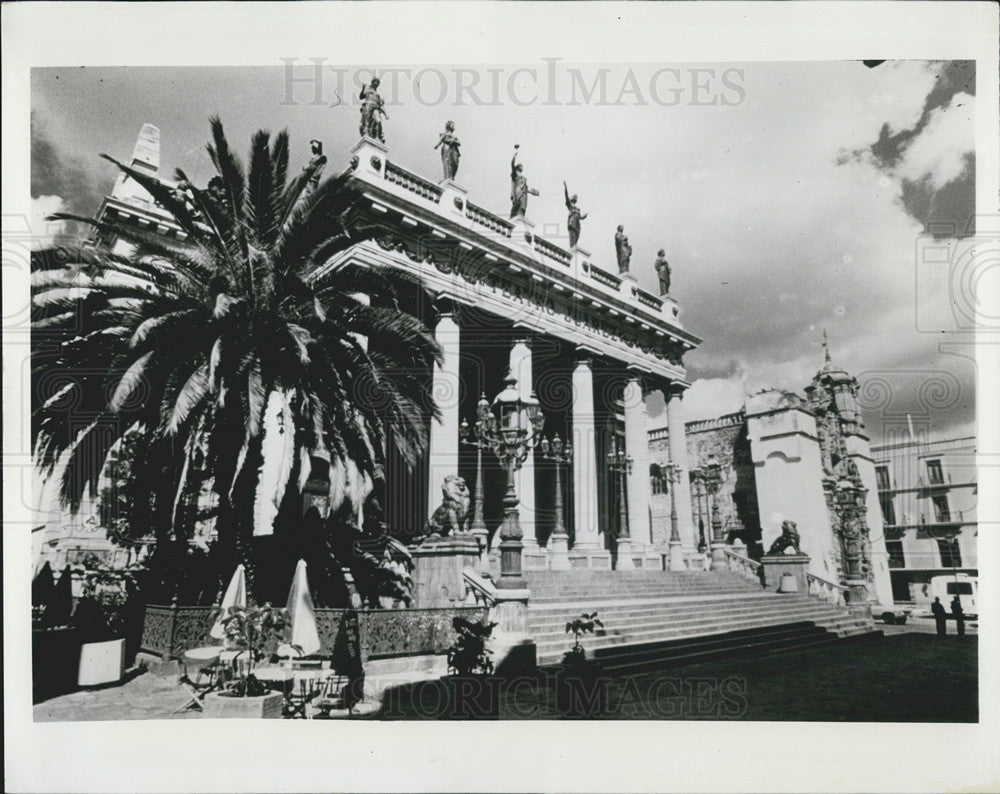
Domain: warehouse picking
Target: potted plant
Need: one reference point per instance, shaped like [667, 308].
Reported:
[580, 684]
[471, 690]
[250, 631]
[99, 619]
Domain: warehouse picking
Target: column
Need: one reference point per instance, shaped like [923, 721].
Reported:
[524, 480]
[678, 454]
[587, 537]
[637, 448]
[442, 456]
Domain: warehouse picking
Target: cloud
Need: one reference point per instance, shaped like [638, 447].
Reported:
[932, 157]
[54, 173]
[43, 231]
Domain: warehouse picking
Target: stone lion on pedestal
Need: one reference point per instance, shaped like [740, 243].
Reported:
[451, 515]
[789, 539]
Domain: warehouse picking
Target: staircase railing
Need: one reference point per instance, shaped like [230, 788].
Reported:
[825, 589]
[480, 590]
[744, 566]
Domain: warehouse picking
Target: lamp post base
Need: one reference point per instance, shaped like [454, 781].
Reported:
[718, 557]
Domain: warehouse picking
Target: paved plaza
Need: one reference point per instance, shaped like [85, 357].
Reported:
[910, 675]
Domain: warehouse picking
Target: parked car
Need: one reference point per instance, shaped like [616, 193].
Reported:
[891, 614]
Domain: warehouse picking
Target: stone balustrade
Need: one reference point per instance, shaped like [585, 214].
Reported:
[743, 566]
[827, 590]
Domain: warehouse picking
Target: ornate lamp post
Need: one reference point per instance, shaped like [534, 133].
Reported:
[473, 436]
[698, 491]
[674, 474]
[848, 496]
[714, 474]
[510, 428]
[620, 465]
[559, 454]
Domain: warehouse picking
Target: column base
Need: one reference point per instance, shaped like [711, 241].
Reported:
[718, 557]
[625, 561]
[535, 558]
[558, 549]
[596, 558]
[677, 556]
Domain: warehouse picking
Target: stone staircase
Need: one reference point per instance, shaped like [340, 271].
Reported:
[655, 618]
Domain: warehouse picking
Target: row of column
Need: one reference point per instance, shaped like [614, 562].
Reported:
[444, 447]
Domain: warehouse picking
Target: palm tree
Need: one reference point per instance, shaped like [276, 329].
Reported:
[234, 357]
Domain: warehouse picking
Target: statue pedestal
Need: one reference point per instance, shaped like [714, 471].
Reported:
[371, 156]
[438, 563]
[453, 197]
[523, 232]
[628, 281]
[777, 565]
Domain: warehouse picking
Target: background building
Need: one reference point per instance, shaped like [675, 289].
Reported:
[927, 492]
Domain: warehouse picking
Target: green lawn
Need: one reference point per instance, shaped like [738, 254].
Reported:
[903, 678]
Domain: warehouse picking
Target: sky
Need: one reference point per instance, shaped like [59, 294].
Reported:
[790, 198]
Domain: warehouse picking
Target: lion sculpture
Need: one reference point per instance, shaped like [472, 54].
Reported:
[450, 517]
[789, 539]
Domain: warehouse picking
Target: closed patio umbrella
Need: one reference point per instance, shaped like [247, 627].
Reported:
[42, 586]
[236, 596]
[304, 638]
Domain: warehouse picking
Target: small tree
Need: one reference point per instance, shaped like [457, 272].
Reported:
[251, 629]
[585, 624]
[469, 655]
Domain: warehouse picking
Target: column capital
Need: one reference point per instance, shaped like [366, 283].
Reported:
[585, 356]
[446, 306]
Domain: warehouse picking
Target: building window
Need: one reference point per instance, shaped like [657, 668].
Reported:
[935, 476]
[895, 550]
[888, 513]
[951, 555]
[940, 508]
[882, 477]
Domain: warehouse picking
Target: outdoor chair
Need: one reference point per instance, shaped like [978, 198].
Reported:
[204, 663]
[331, 694]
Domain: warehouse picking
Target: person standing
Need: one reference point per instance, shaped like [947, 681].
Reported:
[940, 617]
[959, 614]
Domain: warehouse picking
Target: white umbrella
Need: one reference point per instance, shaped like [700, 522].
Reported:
[304, 636]
[236, 596]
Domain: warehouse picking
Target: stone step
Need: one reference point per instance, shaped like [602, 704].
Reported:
[665, 631]
[586, 596]
[539, 626]
[622, 605]
[551, 648]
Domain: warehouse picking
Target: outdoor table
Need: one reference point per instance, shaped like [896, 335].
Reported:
[297, 686]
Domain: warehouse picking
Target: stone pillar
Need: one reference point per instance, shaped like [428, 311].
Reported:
[442, 456]
[637, 447]
[587, 551]
[524, 479]
[438, 563]
[777, 566]
[678, 454]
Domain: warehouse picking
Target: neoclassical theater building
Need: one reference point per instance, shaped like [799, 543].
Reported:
[590, 343]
